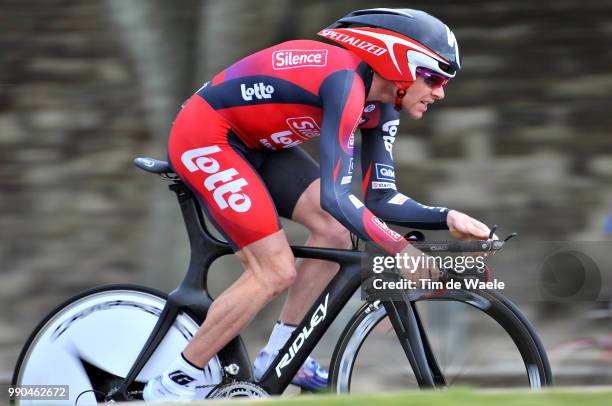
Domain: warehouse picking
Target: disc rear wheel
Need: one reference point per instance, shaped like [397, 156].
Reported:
[91, 341]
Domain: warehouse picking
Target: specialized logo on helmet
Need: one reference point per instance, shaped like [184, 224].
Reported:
[385, 172]
[356, 42]
[220, 183]
[296, 58]
[259, 90]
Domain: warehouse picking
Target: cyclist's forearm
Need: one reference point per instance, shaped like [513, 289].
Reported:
[399, 209]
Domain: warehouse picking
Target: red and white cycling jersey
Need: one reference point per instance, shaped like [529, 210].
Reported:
[276, 99]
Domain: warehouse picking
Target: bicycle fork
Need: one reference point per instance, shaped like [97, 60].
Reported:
[407, 324]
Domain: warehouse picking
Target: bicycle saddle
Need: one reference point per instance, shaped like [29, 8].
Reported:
[153, 165]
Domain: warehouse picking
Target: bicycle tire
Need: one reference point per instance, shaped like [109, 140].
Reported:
[492, 303]
[62, 332]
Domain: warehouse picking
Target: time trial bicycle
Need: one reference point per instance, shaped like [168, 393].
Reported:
[107, 342]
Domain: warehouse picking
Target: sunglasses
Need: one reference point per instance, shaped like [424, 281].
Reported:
[432, 79]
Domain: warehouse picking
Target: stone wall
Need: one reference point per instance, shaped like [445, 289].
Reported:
[71, 205]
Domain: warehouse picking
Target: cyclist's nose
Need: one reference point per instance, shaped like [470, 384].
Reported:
[438, 93]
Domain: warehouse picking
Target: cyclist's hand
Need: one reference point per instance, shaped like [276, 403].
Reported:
[464, 227]
[416, 266]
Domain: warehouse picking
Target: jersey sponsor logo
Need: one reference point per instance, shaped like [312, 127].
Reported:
[305, 127]
[346, 180]
[284, 139]
[369, 108]
[390, 127]
[221, 183]
[351, 141]
[296, 58]
[385, 172]
[266, 143]
[351, 166]
[385, 229]
[318, 316]
[356, 202]
[383, 185]
[356, 42]
[258, 90]
[398, 199]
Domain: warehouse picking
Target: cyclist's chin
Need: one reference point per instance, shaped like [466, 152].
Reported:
[415, 114]
[415, 110]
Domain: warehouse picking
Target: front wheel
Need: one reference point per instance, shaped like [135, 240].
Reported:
[90, 342]
[476, 338]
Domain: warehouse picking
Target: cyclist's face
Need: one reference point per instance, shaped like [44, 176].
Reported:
[420, 95]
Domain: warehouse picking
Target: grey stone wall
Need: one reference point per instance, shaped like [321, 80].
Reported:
[71, 119]
[522, 138]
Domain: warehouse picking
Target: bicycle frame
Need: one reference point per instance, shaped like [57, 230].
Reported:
[192, 295]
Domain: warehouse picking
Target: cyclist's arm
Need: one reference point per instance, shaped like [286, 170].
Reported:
[379, 188]
[342, 95]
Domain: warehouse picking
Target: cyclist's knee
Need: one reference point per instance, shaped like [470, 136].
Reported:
[281, 274]
[273, 268]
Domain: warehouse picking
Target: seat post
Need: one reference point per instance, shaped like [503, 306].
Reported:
[205, 248]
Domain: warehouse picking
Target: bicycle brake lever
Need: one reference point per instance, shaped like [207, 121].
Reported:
[492, 233]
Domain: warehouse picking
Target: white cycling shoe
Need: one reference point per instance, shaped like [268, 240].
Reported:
[156, 390]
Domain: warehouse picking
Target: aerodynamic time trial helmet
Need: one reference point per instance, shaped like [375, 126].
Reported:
[395, 42]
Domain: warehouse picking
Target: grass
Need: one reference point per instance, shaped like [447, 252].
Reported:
[453, 397]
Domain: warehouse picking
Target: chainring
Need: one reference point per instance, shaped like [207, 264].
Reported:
[238, 389]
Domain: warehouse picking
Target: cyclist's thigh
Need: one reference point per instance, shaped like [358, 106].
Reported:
[233, 195]
[287, 174]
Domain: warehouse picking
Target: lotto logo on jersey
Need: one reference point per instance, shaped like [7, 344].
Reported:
[296, 58]
[259, 90]
[385, 172]
[305, 127]
[226, 190]
[385, 229]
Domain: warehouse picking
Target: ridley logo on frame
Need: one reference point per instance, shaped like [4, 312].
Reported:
[317, 317]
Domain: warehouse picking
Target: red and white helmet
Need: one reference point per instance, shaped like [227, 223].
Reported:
[394, 42]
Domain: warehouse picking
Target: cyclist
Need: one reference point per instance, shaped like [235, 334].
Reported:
[233, 143]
